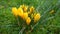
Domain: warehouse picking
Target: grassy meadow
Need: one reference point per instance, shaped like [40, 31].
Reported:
[48, 24]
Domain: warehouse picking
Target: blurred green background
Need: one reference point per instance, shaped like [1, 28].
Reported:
[48, 24]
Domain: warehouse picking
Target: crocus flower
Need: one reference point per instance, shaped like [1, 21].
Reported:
[14, 11]
[28, 20]
[37, 17]
[31, 9]
[25, 15]
[52, 11]
[20, 12]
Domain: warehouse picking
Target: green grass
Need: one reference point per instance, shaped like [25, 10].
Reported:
[9, 25]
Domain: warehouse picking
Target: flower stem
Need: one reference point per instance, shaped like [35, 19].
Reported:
[21, 31]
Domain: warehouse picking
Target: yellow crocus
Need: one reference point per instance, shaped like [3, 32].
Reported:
[52, 11]
[14, 10]
[25, 15]
[31, 9]
[28, 20]
[24, 7]
[20, 12]
[37, 17]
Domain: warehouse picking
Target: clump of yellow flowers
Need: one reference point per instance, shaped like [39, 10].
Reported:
[26, 13]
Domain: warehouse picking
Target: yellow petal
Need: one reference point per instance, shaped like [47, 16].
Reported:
[25, 15]
[20, 12]
[22, 6]
[25, 8]
[14, 10]
[52, 11]
[31, 9]
[37, 17]
[28, 20]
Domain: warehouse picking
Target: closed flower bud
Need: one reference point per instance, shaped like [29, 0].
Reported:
[20, 12]
[28, 20]
[31, 9]
[52, 11]
[22, 6]
[25, 15]
[37, 17]
[14, 10]
[25, 8]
